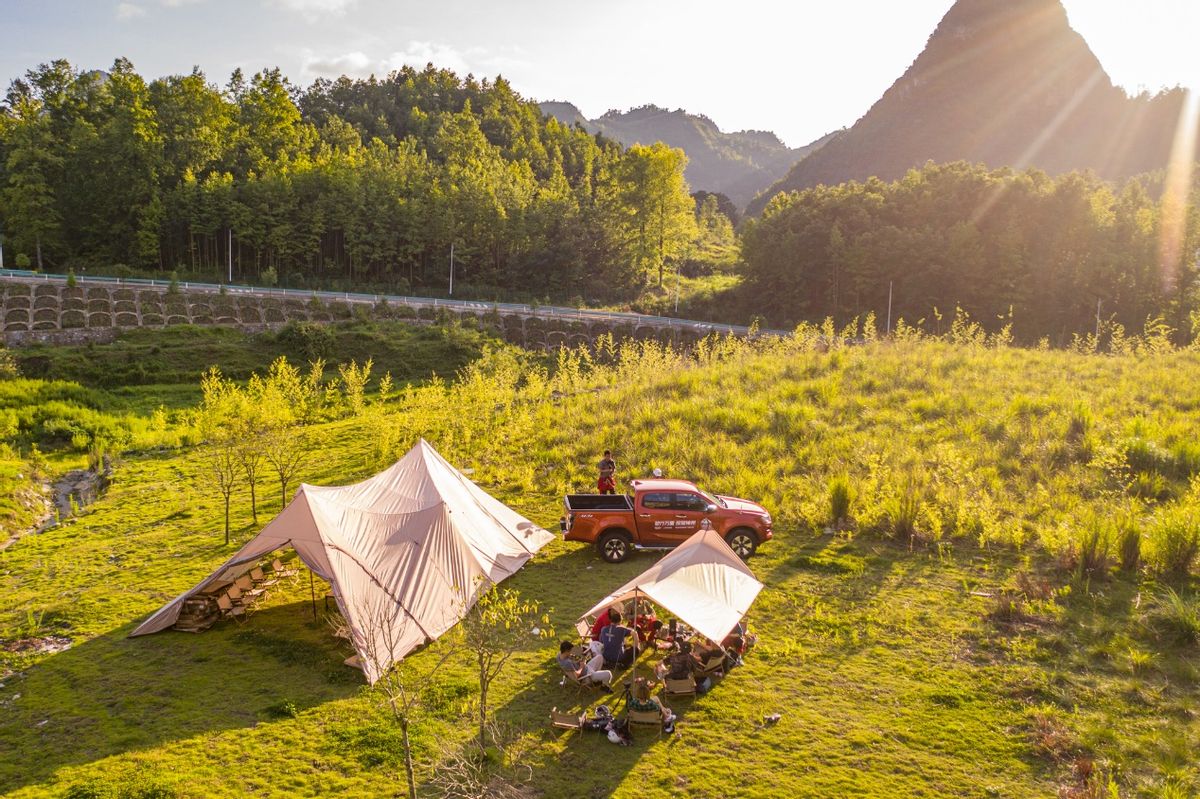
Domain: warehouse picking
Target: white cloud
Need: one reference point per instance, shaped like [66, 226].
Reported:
[418, 54]
[178, 3]
[312, 10]
[357, 64]
[129, 11]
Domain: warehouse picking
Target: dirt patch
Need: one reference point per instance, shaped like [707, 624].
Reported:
[46, 645]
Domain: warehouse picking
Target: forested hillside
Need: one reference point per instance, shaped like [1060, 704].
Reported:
[1053, 256]
[370, 181]
[739, 164]
[1006, 84]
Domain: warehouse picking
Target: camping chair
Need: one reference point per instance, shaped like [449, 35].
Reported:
[227, 607]
[580, 683]
[238, 598]
[711, 667]
[685, 686]
[256, 574]
[566, 721]
[646, 718]
[279, 571]
[248, 589]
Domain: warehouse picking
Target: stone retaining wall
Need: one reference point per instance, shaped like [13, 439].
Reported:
[45, 312]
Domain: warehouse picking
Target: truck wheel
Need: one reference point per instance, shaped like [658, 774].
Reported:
[614, 547]
[742, 541]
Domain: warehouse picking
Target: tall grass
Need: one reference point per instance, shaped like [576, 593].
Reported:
[1177, 618]
[1174, 541]
[841, 497]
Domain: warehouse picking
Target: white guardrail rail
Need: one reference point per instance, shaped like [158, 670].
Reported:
[475, 306]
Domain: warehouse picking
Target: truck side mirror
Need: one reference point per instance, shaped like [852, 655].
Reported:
[710, 508]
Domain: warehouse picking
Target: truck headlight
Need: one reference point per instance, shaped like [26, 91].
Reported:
[767, 519]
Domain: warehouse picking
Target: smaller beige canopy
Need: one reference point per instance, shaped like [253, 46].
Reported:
[703, 582]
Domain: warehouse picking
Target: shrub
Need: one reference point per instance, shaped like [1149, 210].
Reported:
[308, 338]
[1129, 545]
[904, 509]
[841, 497]
[1095, 546]
[1176, 618]
[1174, 540]
[23, 261]
[71, 281]
[268, 276]
[173, 286]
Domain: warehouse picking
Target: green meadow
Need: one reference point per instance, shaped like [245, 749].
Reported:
[983, 581]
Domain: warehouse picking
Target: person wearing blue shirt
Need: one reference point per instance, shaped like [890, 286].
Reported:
[612, 641]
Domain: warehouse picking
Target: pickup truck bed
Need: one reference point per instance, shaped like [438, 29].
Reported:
[598, 502]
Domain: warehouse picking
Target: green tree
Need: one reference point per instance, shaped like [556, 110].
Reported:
[29, 200]
[494, 629]
[661, 210]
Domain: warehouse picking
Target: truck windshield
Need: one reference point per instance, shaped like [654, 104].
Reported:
[715, 500]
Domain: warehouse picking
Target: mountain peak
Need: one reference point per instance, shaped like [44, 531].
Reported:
[738, 165]
[1005, 83]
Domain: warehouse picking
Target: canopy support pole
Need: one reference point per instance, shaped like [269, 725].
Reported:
[312, 590]
[635, 627]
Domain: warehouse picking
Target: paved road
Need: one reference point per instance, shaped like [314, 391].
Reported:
[544, 311]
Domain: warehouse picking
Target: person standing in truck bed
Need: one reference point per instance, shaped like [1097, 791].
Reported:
[607, 483]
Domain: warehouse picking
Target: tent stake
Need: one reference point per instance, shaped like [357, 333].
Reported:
[313, 591]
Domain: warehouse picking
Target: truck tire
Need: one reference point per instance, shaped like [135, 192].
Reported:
[743, 541]
[615, 546]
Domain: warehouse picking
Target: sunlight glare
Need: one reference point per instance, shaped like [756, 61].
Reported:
[1175, 196]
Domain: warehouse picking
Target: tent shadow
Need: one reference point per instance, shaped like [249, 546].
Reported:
[566, 761]
[112, 694]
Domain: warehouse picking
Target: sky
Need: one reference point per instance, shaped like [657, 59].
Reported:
[800, 68]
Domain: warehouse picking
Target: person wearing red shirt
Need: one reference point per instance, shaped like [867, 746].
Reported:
[606, 618]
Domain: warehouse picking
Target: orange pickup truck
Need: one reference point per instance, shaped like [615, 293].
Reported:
[661, 514]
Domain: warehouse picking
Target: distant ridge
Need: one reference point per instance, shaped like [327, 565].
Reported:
[1006, 83]
[738, 165]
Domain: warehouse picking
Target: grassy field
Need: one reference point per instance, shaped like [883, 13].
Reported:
[966, 629]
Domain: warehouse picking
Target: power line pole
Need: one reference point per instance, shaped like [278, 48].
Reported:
[231, 255]
[451, 292]
[889, 313]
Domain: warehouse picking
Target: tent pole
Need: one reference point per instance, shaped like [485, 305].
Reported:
[635, 629]
[312, 590]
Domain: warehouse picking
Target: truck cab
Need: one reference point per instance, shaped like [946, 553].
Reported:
[662, 514]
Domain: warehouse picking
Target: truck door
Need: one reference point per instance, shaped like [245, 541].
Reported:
[687, 509]
[655, 518]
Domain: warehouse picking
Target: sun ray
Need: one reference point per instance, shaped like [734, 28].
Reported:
[1173, 225]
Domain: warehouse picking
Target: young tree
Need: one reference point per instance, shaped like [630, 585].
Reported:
[252, 426]
[218, 427]
[402, 684]
[499, 625]
[354, 381]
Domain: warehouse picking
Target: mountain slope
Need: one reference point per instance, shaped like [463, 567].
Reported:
[1006, 83]
[739, 165]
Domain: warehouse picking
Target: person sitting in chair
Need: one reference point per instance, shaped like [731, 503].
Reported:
[612, 639]
[641, 701]
[603, 620]
[706, 653]
[647, 625]
[585, 671]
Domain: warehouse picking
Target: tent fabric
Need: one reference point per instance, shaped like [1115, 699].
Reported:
[407, 552]
[703, 582]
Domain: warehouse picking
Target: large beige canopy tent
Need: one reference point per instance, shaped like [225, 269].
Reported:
[406, 552]
[703, 582]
